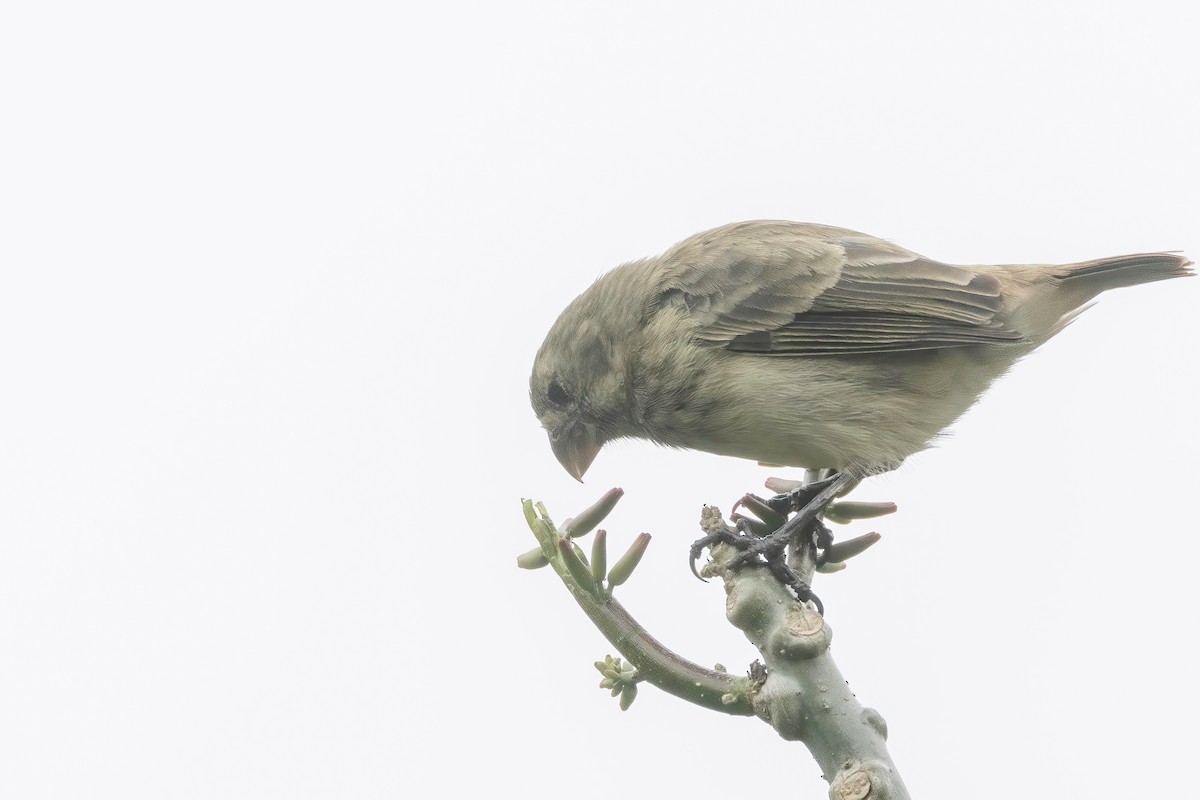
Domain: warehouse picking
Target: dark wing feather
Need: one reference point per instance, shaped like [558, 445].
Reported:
[786, 288]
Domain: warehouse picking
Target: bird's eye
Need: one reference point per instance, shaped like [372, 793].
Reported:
[557, 394]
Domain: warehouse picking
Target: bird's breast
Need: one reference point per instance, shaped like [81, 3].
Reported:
[812, 412]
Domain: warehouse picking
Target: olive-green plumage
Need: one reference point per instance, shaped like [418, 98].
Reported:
[801, 345]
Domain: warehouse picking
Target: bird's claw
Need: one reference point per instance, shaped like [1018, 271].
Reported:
[804, 593]
[697, 548]
[744, 539]
[756, 551]
[771, 554]
[806, 503]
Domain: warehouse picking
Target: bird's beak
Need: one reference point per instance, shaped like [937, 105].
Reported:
[576, 448]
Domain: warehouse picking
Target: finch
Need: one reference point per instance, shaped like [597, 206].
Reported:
[800, 345]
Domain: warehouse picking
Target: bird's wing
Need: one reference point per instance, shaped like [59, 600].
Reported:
[786, 288]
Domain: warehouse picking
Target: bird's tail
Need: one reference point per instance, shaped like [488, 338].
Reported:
[1079, 283]
[1102, 274]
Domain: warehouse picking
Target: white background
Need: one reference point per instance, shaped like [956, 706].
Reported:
[273, 276]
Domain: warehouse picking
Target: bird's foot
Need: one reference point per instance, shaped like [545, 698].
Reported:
[788, 577]
[769, 551]
[807, 503]
[805, 529]
[792, 548]
[742, 539]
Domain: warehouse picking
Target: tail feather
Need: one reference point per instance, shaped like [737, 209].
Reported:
[1117, 271]
[1076, 286]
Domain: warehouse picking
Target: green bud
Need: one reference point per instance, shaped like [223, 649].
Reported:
[534, 559]
[579, 553]
[530, 514]
[840, 551]
[849, 510]
[608, 666]
[624, 568]
[544, 514]
[599, 556]
[543, 531]
[763, 511]
[628, 695]
[782, 485]
[594, 514]
[759, 529]
[579, 571]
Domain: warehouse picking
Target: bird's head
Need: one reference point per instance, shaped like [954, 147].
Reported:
[578, 387]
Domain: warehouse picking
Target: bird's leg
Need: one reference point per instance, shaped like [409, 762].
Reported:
[822, 538]
[740, 540]
[801, 497]
[789, 577]
[772, 554]
[804, 529]
[748, 530]
[775, 509]
[808, 502]
[752, 533]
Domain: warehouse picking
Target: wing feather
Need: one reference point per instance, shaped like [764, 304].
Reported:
[786, 288]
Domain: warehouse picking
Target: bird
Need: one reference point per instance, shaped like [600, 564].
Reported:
[801, 345]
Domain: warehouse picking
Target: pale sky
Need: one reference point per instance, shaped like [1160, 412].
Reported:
[273, 280]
